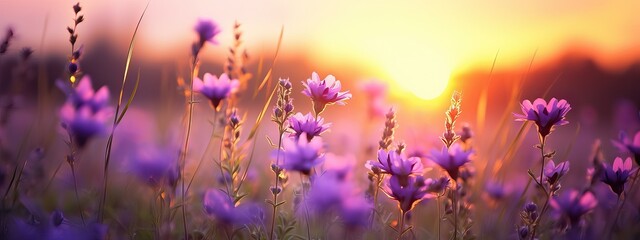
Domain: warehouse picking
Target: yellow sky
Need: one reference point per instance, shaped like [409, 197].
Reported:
[396, 39]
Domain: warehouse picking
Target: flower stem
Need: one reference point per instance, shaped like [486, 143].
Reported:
[401, 226]
[306, 208]
[275, 193]
[206, 150]
[548, 194]
[75, 186]
[375, 199]
[455, 210]
[439, 217]
[186, 148]
[626, 196]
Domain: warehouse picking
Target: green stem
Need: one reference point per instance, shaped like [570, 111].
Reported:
[275, 194]
[75, 186]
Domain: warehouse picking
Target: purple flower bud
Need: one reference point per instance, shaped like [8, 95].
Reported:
[77, 8]
[57, 218]
[523, 232]
[73, 68]
[530, 207]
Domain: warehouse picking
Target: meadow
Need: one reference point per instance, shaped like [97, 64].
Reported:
[237, 152]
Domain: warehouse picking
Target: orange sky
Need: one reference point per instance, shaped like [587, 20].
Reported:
[408, 40]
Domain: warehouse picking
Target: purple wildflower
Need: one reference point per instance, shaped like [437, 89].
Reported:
[391, 162]
[617, 175]
[407, 195]
[466, 133]
[84, 95]
[355, 212]
[156, 166]
[216, 89]
[207, 29]
[553, 172]
[219, 205]
[329, 190]
[324, 92]
[451, 159]
[83, 123]
[625, 143]
[56, 227]
[312, 126]
[572, 205]
[495, 190]
[437, 186]
[302, 155]
[545, 115]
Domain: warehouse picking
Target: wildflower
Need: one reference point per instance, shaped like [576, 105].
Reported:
[409, 194]
[625, 143]
[451, 159]
[545, 115]
[156, 166]
[396, 164]
[466, 133]
[84, 95]
[553, 172]
[85, 112]
[312, 126]
[572, 205]
[437, 186]
[302, 155]
[55, 227]
[216, 89]
[329, 190]
[83, 123]
[324, 92]
[617, 175]
[219, 205]
[495, 190]
[355, 212]
[207, 30]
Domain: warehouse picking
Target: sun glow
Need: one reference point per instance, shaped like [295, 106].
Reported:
[424, 78]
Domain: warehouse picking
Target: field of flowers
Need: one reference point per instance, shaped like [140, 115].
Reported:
[83, 177]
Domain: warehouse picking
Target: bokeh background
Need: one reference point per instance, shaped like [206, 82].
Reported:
[495, 52]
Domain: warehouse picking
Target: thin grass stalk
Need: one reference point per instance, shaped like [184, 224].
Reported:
[401, 226]
[118, 116]
[75, 188]
[206, 150]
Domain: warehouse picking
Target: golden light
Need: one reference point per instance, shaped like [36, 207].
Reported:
[426, 76]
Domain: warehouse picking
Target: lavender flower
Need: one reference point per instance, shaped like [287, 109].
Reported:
[156, 167]
[355, 212]
[324, 92]
[617, 175]
[391, 162]
[451, 159]
[625, 143]
[545, 115]
[553, 172]
[207, 30]
[5, 42]
[84, 95]
[302, 155]
[308, 124]
[220, 206]
[216, 89]
[409, 194]
[466, 133]
[571, 205]
[54, 227]
[437, 186]
[84, 122]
